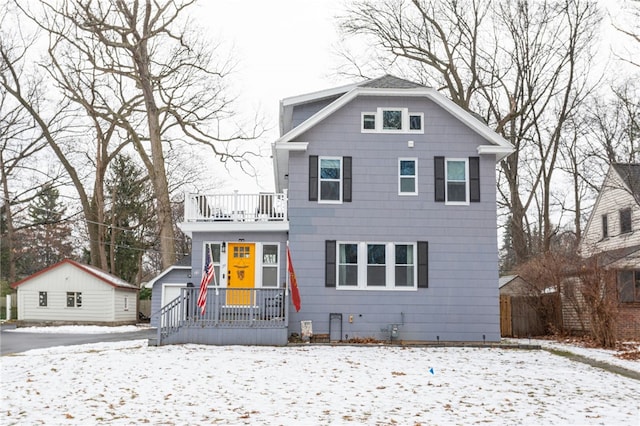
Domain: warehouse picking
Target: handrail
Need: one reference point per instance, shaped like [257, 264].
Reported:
[226, 308]
[263, 207]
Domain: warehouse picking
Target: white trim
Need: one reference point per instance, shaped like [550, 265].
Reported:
[340, 180]
[415, 176]
[321, 94]
[499, 151]
[260, 263]
[501, 147]
[165, 272]
[375, 122]
[390, 265]
[291, 146]
[466, 182]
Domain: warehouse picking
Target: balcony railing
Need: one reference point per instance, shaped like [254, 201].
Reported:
[264, 207]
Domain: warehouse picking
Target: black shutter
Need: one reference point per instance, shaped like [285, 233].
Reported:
[438, 167]
[474, 179]
[423, 264]
[330, 263]
[346, 179]
[313, 178]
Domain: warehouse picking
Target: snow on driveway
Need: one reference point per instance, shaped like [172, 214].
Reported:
[131, 383]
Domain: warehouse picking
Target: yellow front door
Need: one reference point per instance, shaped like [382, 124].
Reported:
[241, 274]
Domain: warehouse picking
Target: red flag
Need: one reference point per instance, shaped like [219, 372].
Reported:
[209, 273]
[295, 294]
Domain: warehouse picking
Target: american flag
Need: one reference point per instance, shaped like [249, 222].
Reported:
[207, 276]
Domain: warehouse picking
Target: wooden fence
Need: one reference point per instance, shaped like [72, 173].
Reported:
[524, 316]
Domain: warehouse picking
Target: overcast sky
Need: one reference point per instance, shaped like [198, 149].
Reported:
[283, 48]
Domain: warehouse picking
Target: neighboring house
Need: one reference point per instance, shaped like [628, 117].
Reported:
[72, 293]
[612, 237]
[386, 196]
[515, 285]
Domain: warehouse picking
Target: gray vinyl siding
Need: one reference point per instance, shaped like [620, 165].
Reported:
[301, 112]
[174, 276]
[461, 302]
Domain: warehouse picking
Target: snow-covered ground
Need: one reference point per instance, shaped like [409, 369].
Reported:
[79, 329]
[131, 383]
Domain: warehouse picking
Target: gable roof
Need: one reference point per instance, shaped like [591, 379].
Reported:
[106, 277]
[630, 175]
[386, 85]
[183, 264]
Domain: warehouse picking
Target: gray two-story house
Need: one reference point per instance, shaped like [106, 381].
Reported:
[386, 198]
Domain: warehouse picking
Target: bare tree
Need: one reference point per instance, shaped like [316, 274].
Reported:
[521, 65]
[144, 79]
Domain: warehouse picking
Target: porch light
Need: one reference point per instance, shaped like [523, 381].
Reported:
[224, 247]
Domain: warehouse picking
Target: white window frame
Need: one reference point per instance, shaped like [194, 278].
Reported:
[261, 265]
[390, 265]
[400, 176]
[358, 265]
[217, 266]
[77, 295]
[418, 114]
[405, 126]
[466, 181]
[375, 122]
[126, 303]
[320, 180]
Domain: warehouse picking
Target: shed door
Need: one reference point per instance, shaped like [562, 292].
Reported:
[241, 274]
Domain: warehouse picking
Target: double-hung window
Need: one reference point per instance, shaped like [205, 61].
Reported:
[457, 190]
[407, 176]
[330, 179]
[404, 265]
[347, 265]
[376, 265]
[457, 180]
[42, 299]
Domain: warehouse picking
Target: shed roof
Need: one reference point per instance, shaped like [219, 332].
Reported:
[106, 277]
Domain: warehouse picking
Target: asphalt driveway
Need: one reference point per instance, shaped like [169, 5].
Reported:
[15, 341]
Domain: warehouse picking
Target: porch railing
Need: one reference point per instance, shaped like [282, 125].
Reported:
[235, 207]
[225, 308]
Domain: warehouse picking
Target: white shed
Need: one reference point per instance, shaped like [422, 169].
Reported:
[72, 293]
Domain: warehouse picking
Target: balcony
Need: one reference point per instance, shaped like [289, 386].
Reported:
[231, 212]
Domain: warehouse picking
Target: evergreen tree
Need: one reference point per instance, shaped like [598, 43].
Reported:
[128, 217]
[49, 235]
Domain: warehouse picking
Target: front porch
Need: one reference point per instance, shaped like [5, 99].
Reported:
[233, 316]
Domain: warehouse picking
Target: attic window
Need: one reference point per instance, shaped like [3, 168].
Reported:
[625, 221]
[392, 120]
